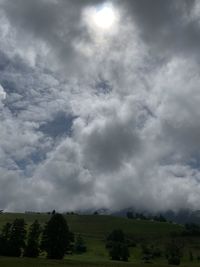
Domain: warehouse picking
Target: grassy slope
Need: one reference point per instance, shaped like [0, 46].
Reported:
[94, 229]
[100, 226]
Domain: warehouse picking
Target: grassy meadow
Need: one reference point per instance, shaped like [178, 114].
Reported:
[95, 228]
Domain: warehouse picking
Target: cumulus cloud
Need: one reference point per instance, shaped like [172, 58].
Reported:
[93, 119]
[2, 93]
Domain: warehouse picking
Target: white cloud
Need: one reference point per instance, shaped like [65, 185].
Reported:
[2, 93]
[130, 110]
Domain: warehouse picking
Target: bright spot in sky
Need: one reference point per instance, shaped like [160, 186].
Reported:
[105, 17]
[102, 22]
[102, 18]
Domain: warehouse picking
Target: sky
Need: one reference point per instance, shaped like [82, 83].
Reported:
[99, 104]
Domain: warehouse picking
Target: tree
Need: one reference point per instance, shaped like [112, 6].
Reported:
[56, 237]
[117, 246]
[150, 252]
[4, 239]
[53, 212]
[191, 229]
[80, 246]
[32, 247]
[174, 252]
[124, 252]
[146, 253]
[129, 215]
[191, 258]
[16, 240]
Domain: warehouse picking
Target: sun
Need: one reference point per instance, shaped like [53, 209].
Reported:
[102, 18]
[105, 17]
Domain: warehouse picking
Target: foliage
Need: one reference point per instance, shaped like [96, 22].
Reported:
[94, 229]
[150, 252]
[159, 218]
[32, 247]
[191, 258]
[4, 239]
[191, 229]
[174, 252]
[80, 246]
[16, 241]
[174, 260]
[146, 253]
[56, 237]
[117, 246]
[12, 238]
[129, 215]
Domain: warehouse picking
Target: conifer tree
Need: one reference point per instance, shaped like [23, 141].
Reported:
[32, 247]
[56, 237]
[16, 242]
[4, 239]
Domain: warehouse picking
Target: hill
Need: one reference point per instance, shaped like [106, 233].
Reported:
[98, 226]
[95, 228]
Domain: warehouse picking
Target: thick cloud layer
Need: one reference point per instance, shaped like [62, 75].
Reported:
[93, 119]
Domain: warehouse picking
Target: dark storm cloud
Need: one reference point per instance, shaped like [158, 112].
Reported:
[167, 26]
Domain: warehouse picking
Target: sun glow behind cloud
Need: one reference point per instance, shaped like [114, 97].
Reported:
[102, 24]
[105, 17]
[102, 19]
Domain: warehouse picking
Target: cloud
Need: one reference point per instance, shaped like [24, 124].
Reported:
[110, 122]
[168, 28]
[2, 93]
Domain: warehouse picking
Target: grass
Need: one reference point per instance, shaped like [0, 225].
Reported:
[24, 262]
[94, 229]
[100, 226]
[8, 262]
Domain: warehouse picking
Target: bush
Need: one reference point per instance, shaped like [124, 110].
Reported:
[191, 229]
[175, 260]
[174, 252]
[80, 246]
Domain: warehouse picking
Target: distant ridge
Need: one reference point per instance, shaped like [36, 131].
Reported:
[182, 216]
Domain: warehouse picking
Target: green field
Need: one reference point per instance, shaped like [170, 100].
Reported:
[12, 262]
[95, 228]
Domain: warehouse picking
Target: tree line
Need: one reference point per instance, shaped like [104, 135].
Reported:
[141, 216]
[54, 239]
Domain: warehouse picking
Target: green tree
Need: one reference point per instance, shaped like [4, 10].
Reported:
[80, 246]
[4, 239]
[117, 246]
[146, 253]
[130, 215]
[17, 235]
[174, 252]
[32, 247]
[56, 237]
